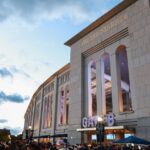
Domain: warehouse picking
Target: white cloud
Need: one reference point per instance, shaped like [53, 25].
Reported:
[31, 11]
[26, 49]
[3, 120]
[14, 113]
[35, 10]
[15, 98]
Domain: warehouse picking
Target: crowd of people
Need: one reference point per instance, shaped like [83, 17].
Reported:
[23, 145]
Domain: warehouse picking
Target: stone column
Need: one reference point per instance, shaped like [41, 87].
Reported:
[103, 96]
[131, 78]
[41, 109]
[115, 90]
[98, 88]
[54, 113]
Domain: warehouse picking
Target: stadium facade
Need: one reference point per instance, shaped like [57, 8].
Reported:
[108, 76]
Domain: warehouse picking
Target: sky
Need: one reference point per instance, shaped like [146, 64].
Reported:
[32, 37]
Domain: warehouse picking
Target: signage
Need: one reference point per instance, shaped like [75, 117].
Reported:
[88, 122]
[110, 119]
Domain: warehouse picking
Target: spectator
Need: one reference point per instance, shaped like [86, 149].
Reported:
[32, 146]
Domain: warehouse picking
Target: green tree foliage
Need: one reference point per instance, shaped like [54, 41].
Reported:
[4, 135]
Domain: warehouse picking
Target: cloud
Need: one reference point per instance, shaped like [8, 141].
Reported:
[16, 70]
[16, 98]
[45, 63]
[3, 120]
[10, 71]
[4, 72]
[19, 71]
[34, 10]
[2, 56]
[15, 131]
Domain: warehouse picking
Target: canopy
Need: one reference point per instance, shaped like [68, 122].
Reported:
[134, 140]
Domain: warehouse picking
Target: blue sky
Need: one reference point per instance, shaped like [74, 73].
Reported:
[32, 37]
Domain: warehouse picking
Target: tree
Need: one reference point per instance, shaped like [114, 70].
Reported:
[4, 135]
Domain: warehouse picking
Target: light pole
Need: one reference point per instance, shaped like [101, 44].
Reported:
[100, 131]
[29, 134]
[29, 127]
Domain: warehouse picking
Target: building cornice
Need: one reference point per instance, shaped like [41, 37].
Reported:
[57, 73]
[51, 78]
[116, 10]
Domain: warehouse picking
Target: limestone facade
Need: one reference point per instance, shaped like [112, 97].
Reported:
[127, 26]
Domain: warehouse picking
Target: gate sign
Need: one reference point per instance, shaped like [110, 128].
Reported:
[110, 119]
[88, 122]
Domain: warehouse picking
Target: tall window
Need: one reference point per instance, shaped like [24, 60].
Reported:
[106, 84]
[27, 121]
[66, 104]
[50, 110]
[47, 111]
[123, 80]
[37, 115]
[30, 117]
[61, 107]
[92, 100]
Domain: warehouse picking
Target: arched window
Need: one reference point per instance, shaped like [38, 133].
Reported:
[45, 113]
[92, 100]
[36, 118]
[50, 99]
[123, 79]
[66, 104]
[61, 107]
[106, 84]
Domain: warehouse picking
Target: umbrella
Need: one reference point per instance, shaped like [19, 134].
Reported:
[134, 140]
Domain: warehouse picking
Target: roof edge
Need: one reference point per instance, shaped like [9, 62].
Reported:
[104, 18]
[57, 73]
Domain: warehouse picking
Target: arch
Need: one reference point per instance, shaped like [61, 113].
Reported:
[124, 91]
[92, 100]
[120, 48]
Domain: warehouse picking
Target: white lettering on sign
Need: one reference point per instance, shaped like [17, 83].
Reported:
[88, 122]
[92, 36]
[84, 122]
[110, 119]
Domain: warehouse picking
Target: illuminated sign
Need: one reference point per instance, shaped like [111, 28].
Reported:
[88, 122]
[110, 119]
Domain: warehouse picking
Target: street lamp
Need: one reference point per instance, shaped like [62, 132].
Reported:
[29, 133]
[29, 127]
[100, 131]
[99, 119]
